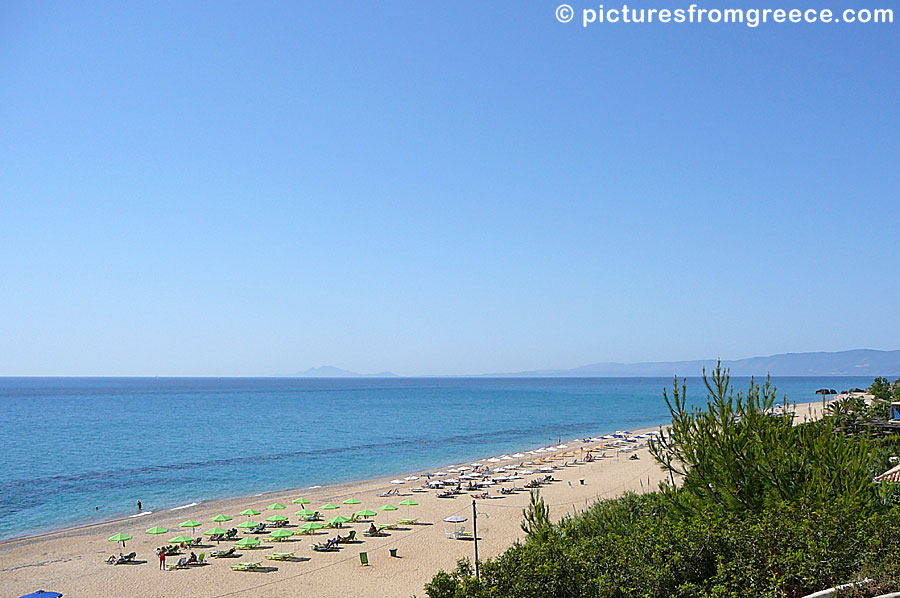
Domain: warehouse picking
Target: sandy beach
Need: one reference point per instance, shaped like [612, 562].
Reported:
[73, 561]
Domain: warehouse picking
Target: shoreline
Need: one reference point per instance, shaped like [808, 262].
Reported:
[400, 562]
[335, 486]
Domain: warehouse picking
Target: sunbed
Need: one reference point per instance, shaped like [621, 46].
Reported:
[407, 521]
[280, 556]
[245, 566]
[181, 564]
[122, 558]
[222, 553]
[350, 537]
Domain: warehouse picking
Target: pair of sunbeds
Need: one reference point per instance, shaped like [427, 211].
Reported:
[230, 534]
[122, 558]
[185, 562]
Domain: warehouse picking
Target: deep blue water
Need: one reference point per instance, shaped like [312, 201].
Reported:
[70, 444]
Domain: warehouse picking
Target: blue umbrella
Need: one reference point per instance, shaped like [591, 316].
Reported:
[42, 594]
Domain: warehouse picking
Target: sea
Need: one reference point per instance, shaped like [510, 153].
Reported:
[82, 450]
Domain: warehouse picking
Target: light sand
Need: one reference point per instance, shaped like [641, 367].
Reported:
[72, 562]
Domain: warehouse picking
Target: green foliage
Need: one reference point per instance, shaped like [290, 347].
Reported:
[737, 455]
[628, 548]
[536, 522]
[881, 389]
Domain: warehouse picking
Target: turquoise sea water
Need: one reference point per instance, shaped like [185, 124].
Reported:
[72, 444]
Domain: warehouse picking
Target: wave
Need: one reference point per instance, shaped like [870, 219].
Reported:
[193, 504]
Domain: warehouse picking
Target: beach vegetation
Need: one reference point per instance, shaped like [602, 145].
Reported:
[536, 517]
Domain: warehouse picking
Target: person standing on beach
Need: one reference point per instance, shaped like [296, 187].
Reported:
[162, 558]
[139, 506]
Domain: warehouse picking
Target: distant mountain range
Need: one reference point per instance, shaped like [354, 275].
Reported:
[858, 362]
[327, 371]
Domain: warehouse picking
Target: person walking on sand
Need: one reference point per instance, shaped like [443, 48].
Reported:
[162, 558]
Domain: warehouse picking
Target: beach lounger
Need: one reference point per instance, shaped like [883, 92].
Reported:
[222, 553]
[245, 566]
[280, 556]
[232, 533]
[181, 564]
[363, 558]
[392, 492]
[407, 521]
[350, 537]
[328, 546]
[122, 558]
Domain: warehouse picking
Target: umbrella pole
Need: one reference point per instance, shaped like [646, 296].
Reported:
[475, 534]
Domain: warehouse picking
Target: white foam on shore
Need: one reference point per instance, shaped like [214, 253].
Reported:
[193, 504]
[139, 514]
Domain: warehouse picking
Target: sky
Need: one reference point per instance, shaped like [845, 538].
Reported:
[225, 188]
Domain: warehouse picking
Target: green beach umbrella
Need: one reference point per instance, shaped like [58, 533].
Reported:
[216, 531]
[156, 530]
[305, 513]
[338, 519]
[366, 513]
[249, 512]
[408, 503]
[387, 508]
[221, 518]
[312, 525]
[247, 542]
[280, 534]
[120, 538]
[275, 506]
[274, 518]
[329, 507]
[301, 501]
[180, 539]
[190, 523]
[246, 525]
[352, 501]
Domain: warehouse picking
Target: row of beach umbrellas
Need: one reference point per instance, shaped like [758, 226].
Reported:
[277, 534]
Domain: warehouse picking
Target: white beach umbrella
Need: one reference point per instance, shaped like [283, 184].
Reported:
[397, 482]
[518, 455]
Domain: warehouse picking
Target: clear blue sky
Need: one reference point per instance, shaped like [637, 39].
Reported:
[437, 188]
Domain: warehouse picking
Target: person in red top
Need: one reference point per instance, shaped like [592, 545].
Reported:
[162, 558]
